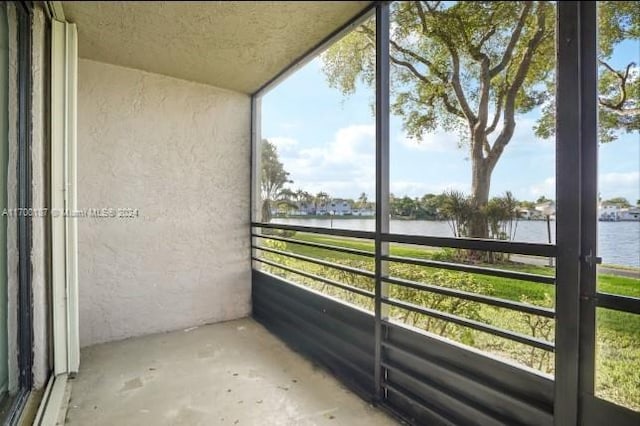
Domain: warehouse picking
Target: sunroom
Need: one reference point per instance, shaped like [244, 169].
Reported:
[358, 213]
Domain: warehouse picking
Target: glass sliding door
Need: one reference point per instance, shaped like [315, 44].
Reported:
[15, 181]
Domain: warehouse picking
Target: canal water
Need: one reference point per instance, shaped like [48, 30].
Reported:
[618, 242]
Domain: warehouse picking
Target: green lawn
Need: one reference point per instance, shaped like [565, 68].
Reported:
[618, 334]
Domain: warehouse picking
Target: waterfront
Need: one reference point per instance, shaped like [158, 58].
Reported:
[618, 242]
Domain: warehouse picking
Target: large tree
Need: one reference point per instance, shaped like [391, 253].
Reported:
[618, 87]
[467, 67]
[273, 178]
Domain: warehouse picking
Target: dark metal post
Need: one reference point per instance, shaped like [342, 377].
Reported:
[25, 331]
[575, 88]
[382, 182]
[589, 176]
[549, 237]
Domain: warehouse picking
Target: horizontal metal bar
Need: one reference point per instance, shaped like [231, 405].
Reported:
[319, 337]
[546, 250]
[317, 277]
[317, 245]
[618, 303]
[521, 382]
[523, 276]
[315, 230]
[461, 294]
[433, 414]
[318, 262]
[517, 337]
[470, 386]
[441, 397]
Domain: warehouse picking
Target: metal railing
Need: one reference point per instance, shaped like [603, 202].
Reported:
[545, 250]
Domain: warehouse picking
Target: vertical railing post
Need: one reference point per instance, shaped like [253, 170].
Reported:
[382, 184]
[589, 202]
[576, 127]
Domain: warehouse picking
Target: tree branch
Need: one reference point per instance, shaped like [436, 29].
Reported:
[486, 146]
[445, 101]
[423, 18]
[618, 107]
[496, 116]
[411, 68]
[421, 59]
[483, 102]
[515, 37]
[450, 107]
[487, 35]
[509, 106]
[455, 59]
[370, 34]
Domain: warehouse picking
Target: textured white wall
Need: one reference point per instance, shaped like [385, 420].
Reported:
[179, 152]
[39, 169]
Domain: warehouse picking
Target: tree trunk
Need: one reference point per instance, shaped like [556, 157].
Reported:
[480, 185]
[266, 211]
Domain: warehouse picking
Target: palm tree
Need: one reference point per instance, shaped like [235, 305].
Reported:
[362, 201]
[322, 198]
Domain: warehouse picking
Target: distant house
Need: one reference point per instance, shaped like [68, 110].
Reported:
[340, 207]
[610, 212]
[305, 208]
[362, 212]
[630, 215]
[321, 208]
[528, 214]
[548, 208]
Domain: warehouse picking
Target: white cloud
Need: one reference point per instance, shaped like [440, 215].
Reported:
[283, 143]
[630, 178]
[617, 184]
[438, 141]
[344, 166]
[291, 125]
[546, 188]
[524, 140]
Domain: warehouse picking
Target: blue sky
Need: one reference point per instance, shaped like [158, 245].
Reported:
[327, 142]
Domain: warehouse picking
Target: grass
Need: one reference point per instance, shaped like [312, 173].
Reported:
[618, 333]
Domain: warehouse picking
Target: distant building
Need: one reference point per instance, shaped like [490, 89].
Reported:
[340, 207]
[548, 208]
[362, 212]
[609, 212]
[529, 214]
[631, 215]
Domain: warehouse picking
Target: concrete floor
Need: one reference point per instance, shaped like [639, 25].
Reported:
[233, 373]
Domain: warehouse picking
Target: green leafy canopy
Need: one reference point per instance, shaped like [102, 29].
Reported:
[471, 67]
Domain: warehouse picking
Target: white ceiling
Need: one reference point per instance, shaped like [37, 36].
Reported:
[234, 45]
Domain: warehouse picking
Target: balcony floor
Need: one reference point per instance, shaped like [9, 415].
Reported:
[233, 373]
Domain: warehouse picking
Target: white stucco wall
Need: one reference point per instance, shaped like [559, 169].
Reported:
[12, 200]
[179, 152]
[39, 199]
